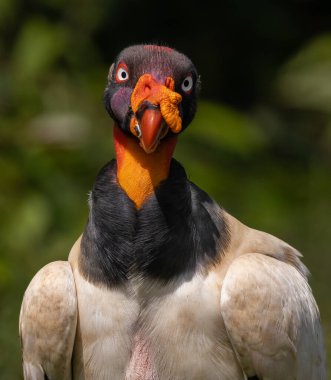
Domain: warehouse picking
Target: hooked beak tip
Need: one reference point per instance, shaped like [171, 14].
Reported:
[151, 129]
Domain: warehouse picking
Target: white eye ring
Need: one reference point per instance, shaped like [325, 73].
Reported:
[122, 74]
[187, 84]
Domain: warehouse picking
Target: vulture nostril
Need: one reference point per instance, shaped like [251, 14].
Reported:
[169, 83]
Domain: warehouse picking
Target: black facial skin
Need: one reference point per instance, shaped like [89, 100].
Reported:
[159, 61]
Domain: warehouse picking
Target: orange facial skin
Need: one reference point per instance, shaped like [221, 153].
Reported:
[139, 173]
[165, 100]
[141, 167]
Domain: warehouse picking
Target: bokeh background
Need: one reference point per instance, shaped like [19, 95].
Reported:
[260, 144]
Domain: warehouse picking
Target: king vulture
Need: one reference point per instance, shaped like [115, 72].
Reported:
[164, 284]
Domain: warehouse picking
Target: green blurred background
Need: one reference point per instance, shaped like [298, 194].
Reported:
[260, 144]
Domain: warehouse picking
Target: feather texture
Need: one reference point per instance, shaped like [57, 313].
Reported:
[272, 319]
[120, 241]
[48, 323]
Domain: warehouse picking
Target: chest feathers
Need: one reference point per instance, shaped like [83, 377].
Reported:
[150, 265]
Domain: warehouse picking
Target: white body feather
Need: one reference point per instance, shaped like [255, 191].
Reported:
[251, 314]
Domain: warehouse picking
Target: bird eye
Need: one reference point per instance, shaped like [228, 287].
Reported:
[187, 84]
[122, 73]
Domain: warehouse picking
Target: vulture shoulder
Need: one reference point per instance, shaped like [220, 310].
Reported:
[270, 313]
[48, 323]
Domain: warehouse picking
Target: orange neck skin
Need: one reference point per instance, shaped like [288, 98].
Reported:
[139, 173]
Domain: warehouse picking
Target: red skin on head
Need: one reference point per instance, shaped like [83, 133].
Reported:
[166, 49]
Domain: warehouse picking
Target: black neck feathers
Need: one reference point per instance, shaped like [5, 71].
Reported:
[177, 231]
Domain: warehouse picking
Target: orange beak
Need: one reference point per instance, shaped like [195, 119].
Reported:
[155, 108]
[153, 128]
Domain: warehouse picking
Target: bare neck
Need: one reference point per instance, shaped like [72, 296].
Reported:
[139, 173]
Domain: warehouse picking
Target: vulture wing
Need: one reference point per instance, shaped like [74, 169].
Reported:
[48, 323]
[272, 319]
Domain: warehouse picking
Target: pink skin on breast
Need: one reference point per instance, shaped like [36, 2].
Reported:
[141, 366]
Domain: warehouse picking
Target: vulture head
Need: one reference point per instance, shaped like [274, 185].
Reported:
[151, 94]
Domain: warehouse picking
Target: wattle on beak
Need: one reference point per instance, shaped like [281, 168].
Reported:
[155, 110]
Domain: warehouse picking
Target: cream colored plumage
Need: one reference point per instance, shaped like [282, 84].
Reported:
[253, 313]
[48, 321]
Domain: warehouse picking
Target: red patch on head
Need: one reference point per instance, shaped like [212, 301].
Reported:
[166, 49]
